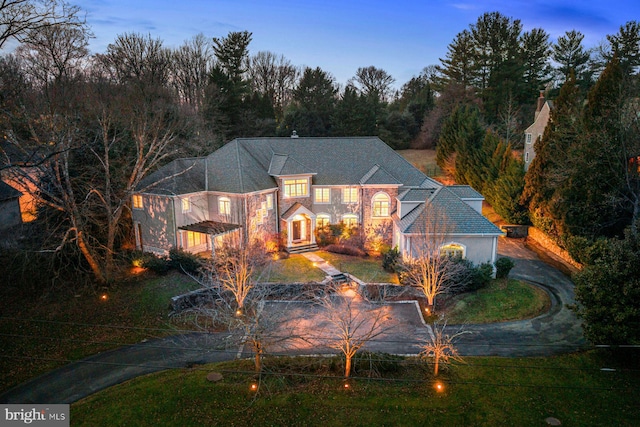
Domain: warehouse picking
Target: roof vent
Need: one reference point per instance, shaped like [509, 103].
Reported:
[294, 134]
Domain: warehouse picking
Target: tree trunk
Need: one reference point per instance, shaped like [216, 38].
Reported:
[435, 368]
[347, 366]
[95, 267]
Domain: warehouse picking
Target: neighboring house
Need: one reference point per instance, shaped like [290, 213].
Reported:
[534, 132]
[289, 187]
[9, 206]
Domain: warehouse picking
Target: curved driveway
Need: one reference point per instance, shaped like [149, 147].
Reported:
[557, 331]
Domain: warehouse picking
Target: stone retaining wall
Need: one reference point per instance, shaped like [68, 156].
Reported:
[546, 242]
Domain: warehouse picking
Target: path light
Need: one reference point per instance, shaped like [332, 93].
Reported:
[439, 386]
[104, 297]
[253, 387]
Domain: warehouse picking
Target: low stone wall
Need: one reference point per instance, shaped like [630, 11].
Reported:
[546, 242]
[515, 231]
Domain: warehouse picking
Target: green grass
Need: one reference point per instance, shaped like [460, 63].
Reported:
[484, 391]
[498, 302]
[49, 332]
[294, 269]
[367, 269]
[424, 160]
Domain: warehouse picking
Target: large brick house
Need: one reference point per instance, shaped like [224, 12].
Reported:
[293, 186]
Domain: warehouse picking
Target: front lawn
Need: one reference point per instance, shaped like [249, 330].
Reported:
[47, 333]
[367, 269]
[499, 302]
[294, 269]
[309, 391]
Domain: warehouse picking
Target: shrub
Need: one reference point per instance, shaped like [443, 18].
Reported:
[503, 267]
[184, 261]
[157, 264]
[481, 276]
[345, 250]
[390, 260]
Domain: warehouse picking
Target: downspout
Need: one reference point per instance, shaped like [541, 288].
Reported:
[493, 254]
[175, 224]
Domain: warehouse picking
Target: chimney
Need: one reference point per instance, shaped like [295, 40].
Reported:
[541, 101]
[294, 134]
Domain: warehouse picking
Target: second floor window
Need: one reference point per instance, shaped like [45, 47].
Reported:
[350, 195]
[381, 205]
[186, 205]
[527, 138]
[322, 195]
[296, 187]
[224, 206]
[137, 201]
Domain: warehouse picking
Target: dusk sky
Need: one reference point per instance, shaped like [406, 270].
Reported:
[400, 36]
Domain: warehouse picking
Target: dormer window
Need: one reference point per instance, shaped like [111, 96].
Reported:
[298, 187]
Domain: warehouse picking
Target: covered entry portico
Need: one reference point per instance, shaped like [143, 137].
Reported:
[300, 226]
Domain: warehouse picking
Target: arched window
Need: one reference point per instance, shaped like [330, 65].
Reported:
[322, 220]
[380, 205]
[453, 250]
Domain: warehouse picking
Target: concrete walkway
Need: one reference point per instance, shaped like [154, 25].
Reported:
[320, 263]
[555, 332]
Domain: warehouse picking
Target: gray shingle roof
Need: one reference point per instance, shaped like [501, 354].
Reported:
[245, 165]
[465, 192]
[378, 176]
[461, 218]
[416, 194]
[7, 192]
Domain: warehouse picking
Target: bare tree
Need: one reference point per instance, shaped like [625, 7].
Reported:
[275, 77]
[21, 19]
[191, 65]
[54, 53]
[373, 81]
[236, 266]
[136, 59]
[352, 323]
[440, 347]
[427, 268]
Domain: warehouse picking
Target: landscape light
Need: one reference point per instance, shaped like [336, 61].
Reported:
[104, 297]
[253, 387]
[439, 387]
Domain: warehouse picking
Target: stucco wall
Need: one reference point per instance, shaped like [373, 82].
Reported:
[157, 231]
[479, 250]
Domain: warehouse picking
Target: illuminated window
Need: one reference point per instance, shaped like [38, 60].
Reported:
[322, 220]
[381, 203]
[453, 250]
[193, 239]
[269, 201]
[224, 206]
[322, 195]
[186, 205]
[528, 138]
[260, 216]
[296, 187]
[350, 195]
[350, 220]
[137, 201]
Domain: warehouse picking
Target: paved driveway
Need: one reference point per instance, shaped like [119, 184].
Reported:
[557, 331]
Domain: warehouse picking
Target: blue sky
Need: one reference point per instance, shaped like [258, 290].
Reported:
[399, 36]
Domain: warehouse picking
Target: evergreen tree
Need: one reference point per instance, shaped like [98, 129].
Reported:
[549, 170]
[626, 46]
[228, 89]
[571, 56]
[458, 66]
[608, 293]
[315, 100]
